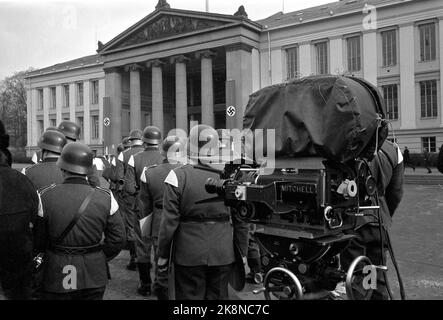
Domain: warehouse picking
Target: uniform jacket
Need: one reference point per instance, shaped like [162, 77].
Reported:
[93, 178]
[44, 173]
[152, 188]
[388, 170]
[197, 243]
[101, 218]
[110, 173]
[19, 204]
[136, 165]
[122, 163]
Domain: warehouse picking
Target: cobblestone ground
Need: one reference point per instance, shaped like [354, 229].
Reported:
[417, 238]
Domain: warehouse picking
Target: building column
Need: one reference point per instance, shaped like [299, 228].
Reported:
[370, 56]
[86, 112]
[239, 73]
[305, 59]
[157, 94]
[30, 122]
[407, 77]
[35, 131]
[72, 102]
[46, 102]
[134, 97]
[207, 87]
[58, 104]
[181, 93]
[112, 109]
[336, 54]
[440, 32]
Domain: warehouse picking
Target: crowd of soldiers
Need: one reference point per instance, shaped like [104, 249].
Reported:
[68, 227]
[59, 228]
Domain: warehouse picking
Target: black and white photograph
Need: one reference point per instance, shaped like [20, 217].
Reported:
[242, 152]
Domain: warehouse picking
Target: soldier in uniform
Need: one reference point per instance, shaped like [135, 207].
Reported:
[72, 133]
[79, 234]
[18, 211]
[127, 202]
[388, 170]
[151, 200]
[46, 172]
[202, 233]
[136, 164]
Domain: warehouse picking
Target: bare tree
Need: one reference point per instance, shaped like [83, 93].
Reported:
[13, 108]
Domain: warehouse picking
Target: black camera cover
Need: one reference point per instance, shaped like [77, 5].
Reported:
[335, 117]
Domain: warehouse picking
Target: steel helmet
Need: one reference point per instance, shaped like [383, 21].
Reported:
[70, 129]
[126, 142]
[52, 140]
[120, 148]
[76, 157]
[152, 135]
[136, 135]
[203, 141]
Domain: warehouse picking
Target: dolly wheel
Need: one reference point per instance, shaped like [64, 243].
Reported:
[358, 286]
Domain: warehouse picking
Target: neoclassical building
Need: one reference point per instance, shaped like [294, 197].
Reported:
[176, 66]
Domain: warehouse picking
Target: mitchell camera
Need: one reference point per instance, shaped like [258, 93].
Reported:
[327, 129]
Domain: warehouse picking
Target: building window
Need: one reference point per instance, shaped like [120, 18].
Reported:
[321, 52]
[429, 143]
[80, 93]
[40, 99]
[389, 48]
[427, 42]
[428, 96]
[66, 96]
[53, 98]
[40, 127]
[80, 123]
[94, 92]
[354, 53]
[390, 94]
[292, 63]
[52, 123]
[94, 128]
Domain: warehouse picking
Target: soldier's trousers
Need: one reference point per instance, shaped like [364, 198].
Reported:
[202, 282]
[127, 208]
[253, 256]
[368, 243]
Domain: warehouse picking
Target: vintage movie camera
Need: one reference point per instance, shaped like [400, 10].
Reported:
[305, 213]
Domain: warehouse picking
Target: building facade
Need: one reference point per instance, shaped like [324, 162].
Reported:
[177, 66]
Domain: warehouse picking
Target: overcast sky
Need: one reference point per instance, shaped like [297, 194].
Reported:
[42, 33]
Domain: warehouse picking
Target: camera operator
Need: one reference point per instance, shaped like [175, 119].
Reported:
[388, 170]
[19, 204]
[203, 234]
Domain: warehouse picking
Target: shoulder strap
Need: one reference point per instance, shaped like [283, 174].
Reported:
[74, 220]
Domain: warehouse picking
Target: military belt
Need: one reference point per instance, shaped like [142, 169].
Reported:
[205, 219]
[75, 251]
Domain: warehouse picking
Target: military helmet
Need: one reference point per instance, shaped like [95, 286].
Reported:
[203, 140]
[4, 138]
[136, 135]
[76, 157]
[70, 129]
[52, 140]
[126, 142]
[120, 148]
[174, 148]
[152, 135]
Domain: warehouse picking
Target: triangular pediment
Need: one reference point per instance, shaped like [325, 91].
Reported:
[166, 24]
